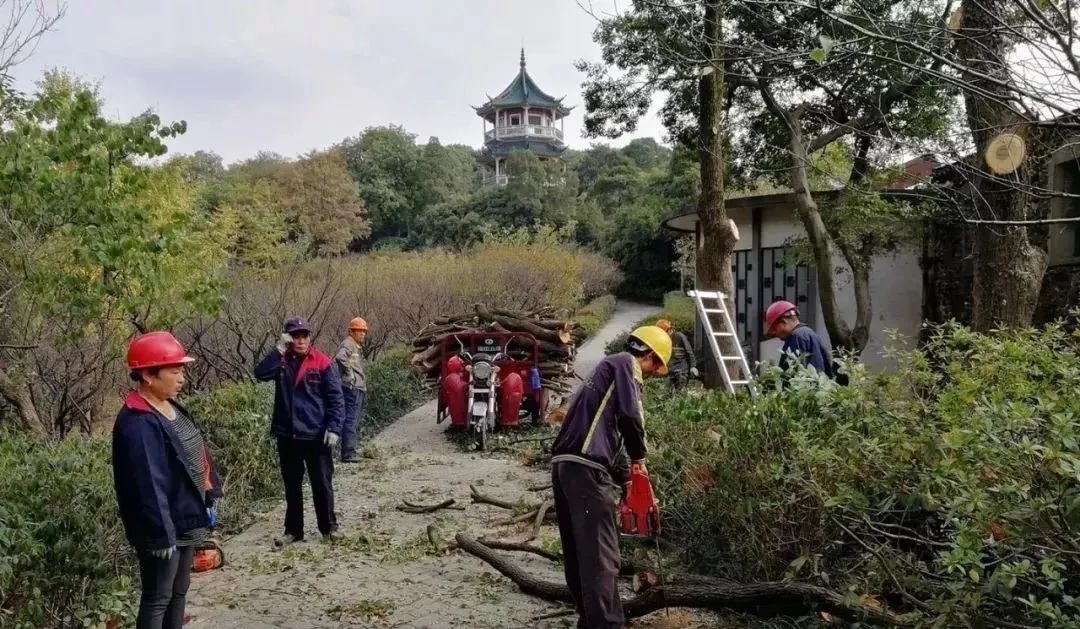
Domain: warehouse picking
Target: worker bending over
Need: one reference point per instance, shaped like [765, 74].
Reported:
[683, 361]
[800, 340]
[603, 432]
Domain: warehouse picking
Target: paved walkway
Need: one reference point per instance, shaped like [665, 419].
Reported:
[386, 573]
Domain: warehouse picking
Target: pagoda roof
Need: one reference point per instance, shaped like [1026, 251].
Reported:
[522, 91]
[503, 148]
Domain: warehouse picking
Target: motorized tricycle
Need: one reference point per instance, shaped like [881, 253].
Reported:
[489, 381]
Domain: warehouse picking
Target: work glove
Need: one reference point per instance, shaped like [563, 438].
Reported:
[163, 553]
[284, 342]
[331, 439]
[694, 373]
[211, 514]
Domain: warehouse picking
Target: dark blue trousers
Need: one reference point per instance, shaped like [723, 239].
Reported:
[354, 412]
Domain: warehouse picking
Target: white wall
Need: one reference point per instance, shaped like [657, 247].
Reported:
[896, 301]
[895, 290]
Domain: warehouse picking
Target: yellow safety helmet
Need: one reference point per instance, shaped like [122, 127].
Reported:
[657, 340]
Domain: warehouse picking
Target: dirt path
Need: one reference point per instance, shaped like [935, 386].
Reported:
[386, 572]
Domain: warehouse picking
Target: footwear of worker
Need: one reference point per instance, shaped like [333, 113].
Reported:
[286, 540]
[333, 536]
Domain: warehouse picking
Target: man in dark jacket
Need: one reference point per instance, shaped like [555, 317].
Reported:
[308, 413]
[603, 432]
[683, 361]
[800, 340]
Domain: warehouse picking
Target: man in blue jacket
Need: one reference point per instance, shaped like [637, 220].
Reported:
[800, 340]
[308, 413]
[603, 432]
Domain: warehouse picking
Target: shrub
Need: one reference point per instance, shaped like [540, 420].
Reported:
[394, 388]
[591, 317]
[63, 557]
[236, 419]
[397, 293]
[954, 481]
[678, 308]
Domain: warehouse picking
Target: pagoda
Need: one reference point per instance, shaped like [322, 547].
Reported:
[523, 118]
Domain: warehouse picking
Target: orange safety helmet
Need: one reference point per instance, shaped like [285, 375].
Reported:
[664, 325]
[156, 349]
[358, 323]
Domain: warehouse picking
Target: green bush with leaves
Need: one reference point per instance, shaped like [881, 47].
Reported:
[678, 309]
[63, 557]
[394, 388]
[949, 489]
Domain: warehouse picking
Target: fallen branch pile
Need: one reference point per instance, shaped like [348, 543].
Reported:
[766, 599]
[557, 341]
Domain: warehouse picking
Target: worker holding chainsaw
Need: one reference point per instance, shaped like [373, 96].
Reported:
[350, 361]
[601, 443]
[683, 361]
[166, 483]
[308, 413]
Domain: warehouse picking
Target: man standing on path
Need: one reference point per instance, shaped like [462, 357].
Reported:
[683, 361]
[800, 340]
[604, 431]
[353, 385]
[308, 413]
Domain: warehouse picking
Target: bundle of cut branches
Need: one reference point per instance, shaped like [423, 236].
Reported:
[556, 341]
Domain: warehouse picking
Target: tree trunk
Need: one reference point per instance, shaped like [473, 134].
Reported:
[767, 600]
[16, 391]
[717, 239]
[840, 335]
[1009, 268]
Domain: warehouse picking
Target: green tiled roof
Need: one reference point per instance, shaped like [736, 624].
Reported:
[522, 91]
[503, 148]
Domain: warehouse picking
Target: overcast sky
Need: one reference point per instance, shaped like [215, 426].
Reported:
[294, 75]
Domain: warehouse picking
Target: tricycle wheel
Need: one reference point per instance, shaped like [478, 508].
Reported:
[482, 436]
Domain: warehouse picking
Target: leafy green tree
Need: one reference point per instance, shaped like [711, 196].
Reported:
[803, 101]
[386, 164]
[324, 201]
[646, 153]
[675, 51]
[94, 243]
[449, 173]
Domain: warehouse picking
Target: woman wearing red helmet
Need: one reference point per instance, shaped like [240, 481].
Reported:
[165, 481]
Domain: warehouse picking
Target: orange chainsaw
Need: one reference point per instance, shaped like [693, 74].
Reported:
[639, 517]
[639, 513]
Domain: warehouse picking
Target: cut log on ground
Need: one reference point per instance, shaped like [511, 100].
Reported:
[408, 507]
[766, 599]
[480, 498]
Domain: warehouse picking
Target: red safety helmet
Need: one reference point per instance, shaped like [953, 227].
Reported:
[156, 349]
[777, 311]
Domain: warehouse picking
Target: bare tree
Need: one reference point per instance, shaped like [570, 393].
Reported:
[27, 21]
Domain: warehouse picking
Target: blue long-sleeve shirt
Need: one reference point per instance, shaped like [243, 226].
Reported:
[808, 347]
[307, 396]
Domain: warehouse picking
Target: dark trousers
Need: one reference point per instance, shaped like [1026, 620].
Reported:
[354, 411]
[585, 507]
[678, 379]
[295, 455]
[164, 589]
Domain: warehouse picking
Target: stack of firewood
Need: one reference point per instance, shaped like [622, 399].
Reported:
[556, 337]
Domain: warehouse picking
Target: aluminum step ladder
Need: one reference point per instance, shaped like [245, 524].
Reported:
[717, 307]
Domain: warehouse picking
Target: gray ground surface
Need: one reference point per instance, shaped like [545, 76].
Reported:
[385, 573]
